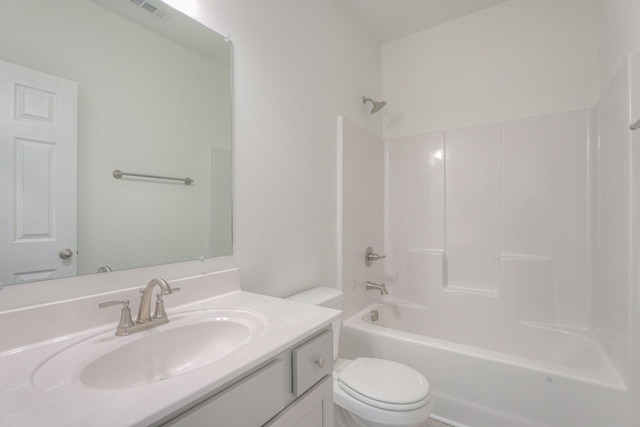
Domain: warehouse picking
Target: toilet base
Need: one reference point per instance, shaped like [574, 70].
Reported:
[344, 418]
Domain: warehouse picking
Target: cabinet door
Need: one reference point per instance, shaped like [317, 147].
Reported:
[248, 403]
[313, 409]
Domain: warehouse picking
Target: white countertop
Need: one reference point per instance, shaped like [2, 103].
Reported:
[71, 403]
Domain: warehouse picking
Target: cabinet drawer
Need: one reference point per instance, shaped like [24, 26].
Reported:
[311, 361]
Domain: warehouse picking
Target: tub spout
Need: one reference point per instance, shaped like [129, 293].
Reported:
[378, 286]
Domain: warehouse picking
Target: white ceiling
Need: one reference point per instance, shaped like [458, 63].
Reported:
[393, 19]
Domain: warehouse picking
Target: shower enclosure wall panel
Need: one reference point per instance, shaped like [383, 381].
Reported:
[634, 293]
[545, 205]
[515, 195]
[616, 227]
[472, 207]
[360, 204]
[414, 204]
[612, 227]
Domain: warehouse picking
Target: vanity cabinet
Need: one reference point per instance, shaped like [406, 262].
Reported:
[292, 389]
[247, 402]
[313, 409]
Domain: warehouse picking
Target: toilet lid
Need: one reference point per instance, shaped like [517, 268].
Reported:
[384, 381]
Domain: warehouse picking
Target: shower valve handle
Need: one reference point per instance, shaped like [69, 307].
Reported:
[369, 257]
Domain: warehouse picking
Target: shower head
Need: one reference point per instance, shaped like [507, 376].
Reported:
[377, 106]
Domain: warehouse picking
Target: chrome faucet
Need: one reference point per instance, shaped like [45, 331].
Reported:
[145, 320]
[378, 286]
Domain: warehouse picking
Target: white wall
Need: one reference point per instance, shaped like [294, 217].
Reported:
[297, 66]
[518, 59]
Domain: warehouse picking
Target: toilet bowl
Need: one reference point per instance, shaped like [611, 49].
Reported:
[377, 393]
[370, 392]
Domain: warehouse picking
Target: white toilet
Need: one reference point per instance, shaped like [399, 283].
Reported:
[371, 392]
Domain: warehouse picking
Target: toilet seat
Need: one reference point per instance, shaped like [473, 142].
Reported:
[384, 384]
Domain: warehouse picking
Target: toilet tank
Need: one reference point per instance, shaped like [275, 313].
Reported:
[324, 296]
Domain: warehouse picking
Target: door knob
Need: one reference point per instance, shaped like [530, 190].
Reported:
[65, 253]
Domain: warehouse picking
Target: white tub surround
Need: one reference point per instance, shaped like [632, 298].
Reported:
[360, 212]
[498, 210]
[32, 337]
[526, 222]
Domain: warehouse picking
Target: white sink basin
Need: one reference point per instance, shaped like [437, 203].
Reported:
[189, 341]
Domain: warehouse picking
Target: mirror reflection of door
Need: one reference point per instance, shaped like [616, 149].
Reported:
[38, 142]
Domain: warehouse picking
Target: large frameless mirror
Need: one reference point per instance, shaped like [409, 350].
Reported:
[89, 87]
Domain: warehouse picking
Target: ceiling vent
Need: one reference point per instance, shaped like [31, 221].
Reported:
[151, 9]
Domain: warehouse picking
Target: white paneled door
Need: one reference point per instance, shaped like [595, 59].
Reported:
[38, 140]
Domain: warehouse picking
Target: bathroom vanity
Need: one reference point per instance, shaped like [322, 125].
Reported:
[296, 385]
[225, 358]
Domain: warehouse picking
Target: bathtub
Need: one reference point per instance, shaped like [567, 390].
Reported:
[510, 374]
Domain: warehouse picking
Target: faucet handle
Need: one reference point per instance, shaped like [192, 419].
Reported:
[125, 316]
[125, 304]
[159, 313]
[369, 256]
